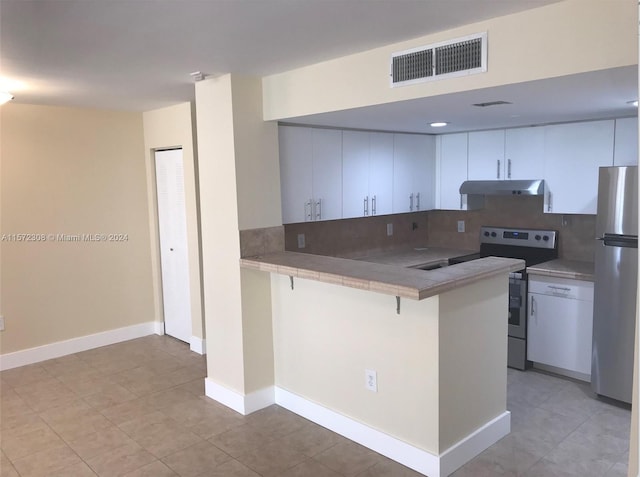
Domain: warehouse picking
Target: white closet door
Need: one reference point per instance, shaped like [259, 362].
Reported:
[174, 256]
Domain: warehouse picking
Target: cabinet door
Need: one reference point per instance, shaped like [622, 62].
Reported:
[403, 196]
[560, 332]
[327, 173]
[295, 173]
[453, 169]
[524, 153]
[381, 173]
[626, 142]
[355, 174]
[424, 175]
[486, 155]
[573, 154]
[413, 166]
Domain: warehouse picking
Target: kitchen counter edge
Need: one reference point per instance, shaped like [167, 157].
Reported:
[561, 268]
[381, 278]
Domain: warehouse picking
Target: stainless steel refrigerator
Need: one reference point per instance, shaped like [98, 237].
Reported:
[615, 288]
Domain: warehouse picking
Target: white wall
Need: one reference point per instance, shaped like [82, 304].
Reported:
[441, 363]
[164, 128]
[239, 189]
[72, 171]
[572, 36]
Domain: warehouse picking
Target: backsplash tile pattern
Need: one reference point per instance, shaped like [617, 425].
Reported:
[576, 237]
[255, 242]
[358, 237]
[438, 228]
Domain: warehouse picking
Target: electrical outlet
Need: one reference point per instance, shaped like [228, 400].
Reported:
[371, 380]
[460, 225]
[301, 243]
[389, 230]
[1, 323]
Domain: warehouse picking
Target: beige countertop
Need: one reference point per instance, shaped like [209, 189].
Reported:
[561, 268]
[415, 256]
[387, 278]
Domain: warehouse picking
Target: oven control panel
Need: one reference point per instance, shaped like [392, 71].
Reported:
[519, 237]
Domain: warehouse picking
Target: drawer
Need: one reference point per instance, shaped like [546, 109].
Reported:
[561, 287]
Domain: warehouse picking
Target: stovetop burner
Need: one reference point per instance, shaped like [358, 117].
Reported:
[531, 245]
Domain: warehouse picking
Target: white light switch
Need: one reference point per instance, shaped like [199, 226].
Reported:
[460, 225]
[301, 243]
[389, 230]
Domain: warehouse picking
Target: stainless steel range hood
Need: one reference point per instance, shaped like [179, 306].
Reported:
[520, 187]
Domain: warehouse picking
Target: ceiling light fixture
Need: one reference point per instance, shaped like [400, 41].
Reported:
[634, 103]
[438, 124]
[5, 97]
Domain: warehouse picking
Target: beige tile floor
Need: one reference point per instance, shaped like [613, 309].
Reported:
[138, 409]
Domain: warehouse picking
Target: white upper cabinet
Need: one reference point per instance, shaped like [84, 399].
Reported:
[452, 154]
[625, 151]
[327, 174]
[573, 154]
[296, 173]
[367, 174]
[310, 173]
[486, 155]
[506, 154]
[524, 153]
[413, 172]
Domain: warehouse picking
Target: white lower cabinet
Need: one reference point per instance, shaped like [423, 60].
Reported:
[560, 325]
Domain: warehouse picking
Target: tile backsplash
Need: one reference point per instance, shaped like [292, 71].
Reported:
[576, 232]
[358, 237]
[439, 228]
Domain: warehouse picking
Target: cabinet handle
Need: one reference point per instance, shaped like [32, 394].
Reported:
[308, 211]
[553, 287]
[418, 201]
[498, 171]
[318, 207]
[365, 206]
[533, 310]
[373, 205]
[411, 202]
[508, 168]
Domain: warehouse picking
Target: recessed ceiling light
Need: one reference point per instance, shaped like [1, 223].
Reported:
[634, 103]
[5, 97]
[438, 124]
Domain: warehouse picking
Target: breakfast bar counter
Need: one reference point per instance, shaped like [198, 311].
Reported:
[390, 278]
[424, 383]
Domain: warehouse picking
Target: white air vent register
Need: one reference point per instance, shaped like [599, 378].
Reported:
[459, 57]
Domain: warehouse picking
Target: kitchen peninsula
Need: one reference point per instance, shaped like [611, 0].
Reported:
[410, 363]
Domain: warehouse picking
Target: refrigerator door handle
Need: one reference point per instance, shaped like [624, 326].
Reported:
[620, 241]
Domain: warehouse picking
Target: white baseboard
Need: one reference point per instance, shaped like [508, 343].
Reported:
[417, 459]
[563, 372]
[198, 345]
[75, 345]
[158, 327]
[244, 404]
[472, 445]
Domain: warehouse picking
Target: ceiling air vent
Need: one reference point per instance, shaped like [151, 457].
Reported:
[459, 57]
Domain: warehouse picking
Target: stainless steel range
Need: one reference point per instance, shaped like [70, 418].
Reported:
[531, 245]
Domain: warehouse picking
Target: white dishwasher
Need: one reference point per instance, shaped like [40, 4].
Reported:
[560, 325]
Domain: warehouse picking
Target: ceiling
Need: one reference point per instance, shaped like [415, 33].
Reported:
[137, 55]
